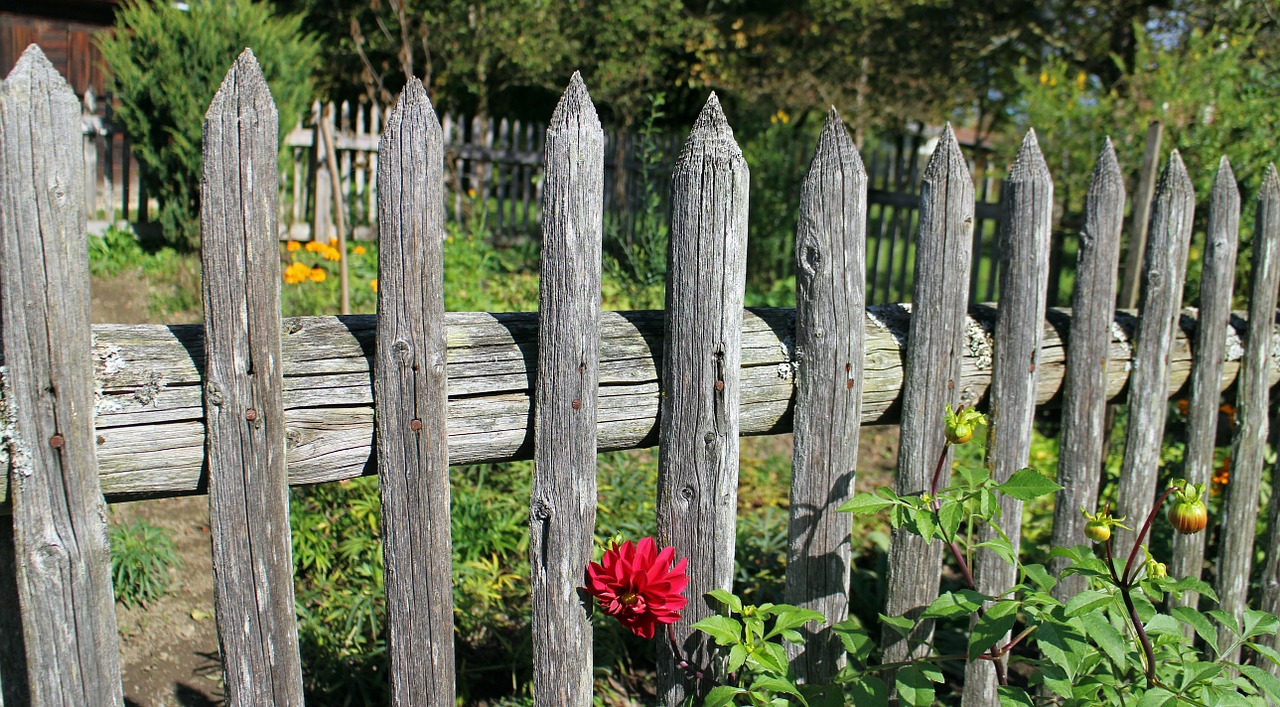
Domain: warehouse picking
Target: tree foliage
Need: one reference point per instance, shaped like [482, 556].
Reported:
[167, 64]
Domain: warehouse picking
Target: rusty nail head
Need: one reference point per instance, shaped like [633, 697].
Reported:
[719, 385]
[577, 405]
[251, 414]
[56, 441]
[415, 425]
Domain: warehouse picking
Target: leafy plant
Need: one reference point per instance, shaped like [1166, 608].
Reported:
[153, 43]
[143, 559]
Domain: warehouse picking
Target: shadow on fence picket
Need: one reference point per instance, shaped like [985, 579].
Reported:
[261, 403]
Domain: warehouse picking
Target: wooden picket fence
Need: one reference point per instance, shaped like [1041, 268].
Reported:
[246, 404]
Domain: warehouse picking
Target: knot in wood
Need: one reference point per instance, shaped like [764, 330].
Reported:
[57, 441]
[687, 492]
[542, 509]
[402, 350]
[709, 437]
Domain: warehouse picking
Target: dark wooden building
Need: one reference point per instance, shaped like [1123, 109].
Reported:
[64, 29]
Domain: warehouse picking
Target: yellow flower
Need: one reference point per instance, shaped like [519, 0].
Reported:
[374, 284]
[359, 250]
[471, 193]
[293, 246]
[1044, 77]
[317, 275]
[331, 253]
[333, 242]
[296, 273]
[783, 117]
[1080, 80]
[315, 246]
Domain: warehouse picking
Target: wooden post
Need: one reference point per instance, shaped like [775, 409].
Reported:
[1160, 308]
[323, 207]
[562, 508]
[1240, 509]
[701, 387]
[1128, 294]
[325, 129]
[410, 391]
[1269, 601]
[829, 335]
[243, 405]
[59, 539]
[1216, 281]
[1025, 233]
[931, 378]
[1084, 398]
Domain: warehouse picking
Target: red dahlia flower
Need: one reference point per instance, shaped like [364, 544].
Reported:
[636, 584]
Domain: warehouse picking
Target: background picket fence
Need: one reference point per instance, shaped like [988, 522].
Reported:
[246, 404]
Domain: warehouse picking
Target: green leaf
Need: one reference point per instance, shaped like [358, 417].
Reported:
[1157, 697]
[1028, 484]
[737, 656]
[726, 599]
[949, 518]
[1191, 584]
[1199, 623]
[913, 687]
[1264, 680]
[857, 642]
[771, 657]
[1226, 620]
[722, 695]
[1259, 623]
[900, 624]
[1039, 576]
[1087, 601]
[961, 603]
[1164, 625]
[1265, 651]
[793, 617]
[723, 629]
[778, 684]
[1014, 697]
[925, 523]
[865, 504]
[1001, 547]
[992, 627]
[868, 690]
[1106, 637]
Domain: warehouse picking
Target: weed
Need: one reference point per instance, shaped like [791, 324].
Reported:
[142, 562]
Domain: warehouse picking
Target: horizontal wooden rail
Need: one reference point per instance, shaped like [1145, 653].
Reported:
[150, 428]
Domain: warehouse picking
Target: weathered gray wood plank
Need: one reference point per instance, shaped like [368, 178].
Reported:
[1025, 234]
[701, 382]
[1240, 508]
[1127, 296]
[1269, 601]
[59, 538]
[1216, 280]
[150, 420]
[830, 329]
[1089, 350]
[931, 377]
[243, 399]
[410, 396]
[1164, 271]
[562, 507]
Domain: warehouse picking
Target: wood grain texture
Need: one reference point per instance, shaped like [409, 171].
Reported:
[1269, 599]
[410, 397]
[61, 558]
[829, 334]
[931, 378]
[1025, 234]
[150, 421]
[1089, 352]
[1240, 508]
[701, 384]
[1217, 278]
[562, 507]
[1164, 271]
[1127, 297]
[243, 404]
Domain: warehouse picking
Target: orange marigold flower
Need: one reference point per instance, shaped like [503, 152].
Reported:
[333, 242]
[317, 274]
[636, 584]
[359, 250]
[374, 284]
[331, 254]
[315, 246]
[293, 246]
[296, 273]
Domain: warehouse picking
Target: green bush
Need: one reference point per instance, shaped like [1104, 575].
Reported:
[142, 560]
[167, 63]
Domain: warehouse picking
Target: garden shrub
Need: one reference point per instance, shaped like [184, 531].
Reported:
[167, 63]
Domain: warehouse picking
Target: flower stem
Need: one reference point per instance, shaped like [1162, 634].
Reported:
[1142, 534]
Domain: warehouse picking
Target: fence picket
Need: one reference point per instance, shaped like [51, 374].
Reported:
[1216, 280]
[1240, 509]
[1023, 253]
[562, 507]
[410, 381]
[1084, 385]
[931, 377]
[701, 385]
[244, 408]
[829, 334]
[59, 552]
[1160, 309]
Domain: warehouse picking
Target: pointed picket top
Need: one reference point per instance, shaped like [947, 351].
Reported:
[575, 107]
[1224, 184]
[836, 145]
[34, 72]
[1270, 182]
[1029, 164]
[245, 85]
[1174, 179]
[1106, 171]
[947, 159]
[712, 128]
[412, 107]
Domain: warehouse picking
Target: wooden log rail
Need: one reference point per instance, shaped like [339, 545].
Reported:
[149, 415]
